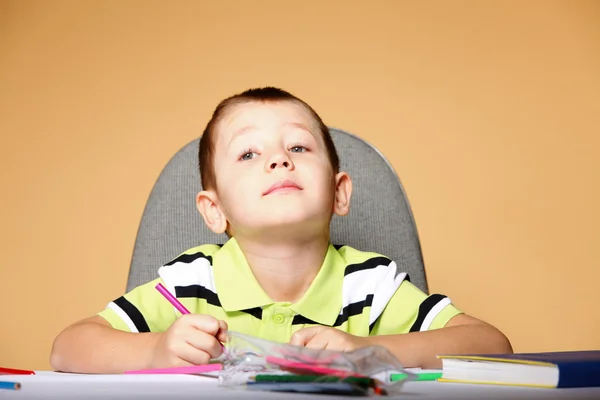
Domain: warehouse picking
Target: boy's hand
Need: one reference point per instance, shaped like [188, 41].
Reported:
[323, 337]
[193, 339]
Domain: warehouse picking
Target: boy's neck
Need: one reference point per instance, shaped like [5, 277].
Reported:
[285, 270]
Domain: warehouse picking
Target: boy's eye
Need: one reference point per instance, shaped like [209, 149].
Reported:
[298, 149]
[247, 156]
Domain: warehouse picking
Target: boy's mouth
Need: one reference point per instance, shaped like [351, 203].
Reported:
[286, 185]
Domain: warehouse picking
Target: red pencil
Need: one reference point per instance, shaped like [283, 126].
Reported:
[12, 371]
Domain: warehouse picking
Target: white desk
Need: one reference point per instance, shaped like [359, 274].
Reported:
[50, 385]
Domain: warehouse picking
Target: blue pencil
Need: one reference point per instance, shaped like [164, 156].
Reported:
[10, 385]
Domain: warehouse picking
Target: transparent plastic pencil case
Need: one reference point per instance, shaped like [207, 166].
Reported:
[246, 357]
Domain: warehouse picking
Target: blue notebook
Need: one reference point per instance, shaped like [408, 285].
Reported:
[566, 369]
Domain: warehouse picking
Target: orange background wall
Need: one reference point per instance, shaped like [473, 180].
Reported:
[489, 111]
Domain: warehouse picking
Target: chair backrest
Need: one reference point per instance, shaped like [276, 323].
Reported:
[380, 218]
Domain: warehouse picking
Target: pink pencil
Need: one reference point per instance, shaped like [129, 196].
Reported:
[180, 307]
[194, 369]
[307, 368]
[173, 300]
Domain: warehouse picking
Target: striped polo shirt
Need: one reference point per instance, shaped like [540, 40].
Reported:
[357, 292]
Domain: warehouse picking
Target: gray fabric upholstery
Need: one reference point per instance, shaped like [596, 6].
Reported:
[380, 218]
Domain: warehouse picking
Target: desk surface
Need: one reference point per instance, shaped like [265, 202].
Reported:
[51, 385]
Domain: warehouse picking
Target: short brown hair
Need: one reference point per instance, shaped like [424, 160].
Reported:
[206, 151]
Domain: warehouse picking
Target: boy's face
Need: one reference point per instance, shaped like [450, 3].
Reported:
[272, 171]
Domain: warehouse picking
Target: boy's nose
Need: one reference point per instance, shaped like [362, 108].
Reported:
[280, 161]
[283, 164]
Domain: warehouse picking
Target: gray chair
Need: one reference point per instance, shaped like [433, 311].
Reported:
[380, 218]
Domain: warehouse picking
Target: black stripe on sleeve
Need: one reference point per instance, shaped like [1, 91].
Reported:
[424, 309]
[373, 324]
[189, 258]
[406, 278]
[198, 292]
[132, 312]
[353, 309]
[347, 312]
[369, 264]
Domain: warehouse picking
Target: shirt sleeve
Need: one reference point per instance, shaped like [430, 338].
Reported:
[143, 309]
[412, 310]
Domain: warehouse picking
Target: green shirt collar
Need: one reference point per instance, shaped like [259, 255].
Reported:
[236, 285]
[238, 289]
[322, 301]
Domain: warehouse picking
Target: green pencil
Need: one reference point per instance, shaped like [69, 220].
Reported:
[365, 381]
[420, 376]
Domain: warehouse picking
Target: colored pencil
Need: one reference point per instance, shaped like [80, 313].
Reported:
[339, 388]
[194, 369]
[14, 371]
[366, 381]
[300, 367]
[176, 303]
[172, 299]
[10, 385]
[420, 376]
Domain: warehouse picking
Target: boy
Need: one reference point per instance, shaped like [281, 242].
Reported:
[271, 180]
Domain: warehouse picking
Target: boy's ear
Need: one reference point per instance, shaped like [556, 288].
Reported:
[207, 204]
[343, 192]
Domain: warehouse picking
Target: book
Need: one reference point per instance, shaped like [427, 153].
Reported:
[566, 369]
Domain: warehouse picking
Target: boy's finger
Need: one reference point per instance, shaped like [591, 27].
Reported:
[318, 342]
[191, 355]
[205, 342]
[204, 323]
[222, 333]
[303, 336]
[223, 326]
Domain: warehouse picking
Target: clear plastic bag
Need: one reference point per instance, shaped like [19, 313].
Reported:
[246, 356]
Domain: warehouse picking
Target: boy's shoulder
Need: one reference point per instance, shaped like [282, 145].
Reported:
[205, 251]
[352, 255]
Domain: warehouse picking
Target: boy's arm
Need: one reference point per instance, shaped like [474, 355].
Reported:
[139, 330]
[462, 334]
[108, 342]
[93, 346]
[415, 327]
